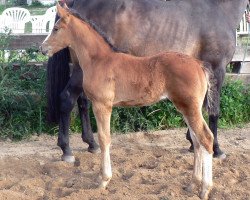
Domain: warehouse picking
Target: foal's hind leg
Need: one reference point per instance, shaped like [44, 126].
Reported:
[197, 172]
[203, 139]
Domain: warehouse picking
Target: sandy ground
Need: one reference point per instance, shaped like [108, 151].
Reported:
[146, 166]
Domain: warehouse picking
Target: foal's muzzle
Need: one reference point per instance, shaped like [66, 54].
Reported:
[43, 50]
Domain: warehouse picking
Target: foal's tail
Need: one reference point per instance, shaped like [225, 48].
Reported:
[209, 101]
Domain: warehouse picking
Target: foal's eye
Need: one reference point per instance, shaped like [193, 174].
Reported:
[55, 29]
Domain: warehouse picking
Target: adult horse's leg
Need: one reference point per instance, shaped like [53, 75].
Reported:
[68, 99]
[188, 137]
[213, 111]
[87, 133]
[83, 105]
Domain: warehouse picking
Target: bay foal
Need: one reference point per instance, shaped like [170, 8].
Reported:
[117, 79]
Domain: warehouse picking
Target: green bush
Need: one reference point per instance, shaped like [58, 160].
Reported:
[21, 100]
[37, 4]
[22, 93]
[158, 116]
[235, 103]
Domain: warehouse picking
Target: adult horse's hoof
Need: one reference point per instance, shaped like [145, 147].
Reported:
[93, 146]
[69, 159]
[219, 154]
[191, 149]
[94, 149]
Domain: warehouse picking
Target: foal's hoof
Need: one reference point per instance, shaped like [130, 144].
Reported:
[94, 149]
[69, 159]
[219, 154]
[104, 184]
[204, 195]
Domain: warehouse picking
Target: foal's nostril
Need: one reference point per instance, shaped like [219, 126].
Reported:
[44, 52]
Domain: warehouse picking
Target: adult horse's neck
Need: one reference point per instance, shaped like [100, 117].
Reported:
[88, 45]
[233, 10]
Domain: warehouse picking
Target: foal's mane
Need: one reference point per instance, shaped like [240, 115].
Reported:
[95, 27]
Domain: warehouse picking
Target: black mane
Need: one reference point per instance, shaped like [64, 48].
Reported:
[95, 27]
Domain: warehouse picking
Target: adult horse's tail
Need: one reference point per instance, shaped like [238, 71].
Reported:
[210, 102]
[58, 74]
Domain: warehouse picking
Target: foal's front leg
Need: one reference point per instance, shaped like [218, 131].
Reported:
[103, 114]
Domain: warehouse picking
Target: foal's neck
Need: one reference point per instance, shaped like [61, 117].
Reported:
[88, 45]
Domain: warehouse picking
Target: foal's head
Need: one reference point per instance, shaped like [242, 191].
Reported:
[60, 35]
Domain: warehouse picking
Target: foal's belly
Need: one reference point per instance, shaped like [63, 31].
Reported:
[131, 103]
[140, 100]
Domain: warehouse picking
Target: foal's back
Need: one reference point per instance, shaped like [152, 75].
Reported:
[146, 80]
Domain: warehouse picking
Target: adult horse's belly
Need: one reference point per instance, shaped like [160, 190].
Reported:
[151, 34]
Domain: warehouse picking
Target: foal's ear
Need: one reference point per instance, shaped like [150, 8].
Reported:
[65, 6]
[62, 12]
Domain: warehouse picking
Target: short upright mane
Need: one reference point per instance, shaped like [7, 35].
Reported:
[95, 27]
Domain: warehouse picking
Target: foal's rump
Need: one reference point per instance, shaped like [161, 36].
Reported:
[188, 81]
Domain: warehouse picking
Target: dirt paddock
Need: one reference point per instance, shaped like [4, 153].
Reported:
[146, 166]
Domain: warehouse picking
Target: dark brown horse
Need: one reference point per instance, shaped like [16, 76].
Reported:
[201, 28]
[113, 78]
